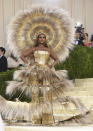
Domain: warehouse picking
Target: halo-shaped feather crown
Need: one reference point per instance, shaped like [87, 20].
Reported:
[54, 22]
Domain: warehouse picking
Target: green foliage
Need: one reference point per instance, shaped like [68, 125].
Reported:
[4, 77]
[8, 76]
[79, 64]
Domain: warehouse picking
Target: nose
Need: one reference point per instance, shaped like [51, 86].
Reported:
[42, 38]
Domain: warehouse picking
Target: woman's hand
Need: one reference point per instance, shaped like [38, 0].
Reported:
[24, 59]
[33, 64]
[50, 66]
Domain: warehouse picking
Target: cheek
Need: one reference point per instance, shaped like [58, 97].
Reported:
[38, 40]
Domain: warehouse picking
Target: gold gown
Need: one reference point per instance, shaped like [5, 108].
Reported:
[49, 92]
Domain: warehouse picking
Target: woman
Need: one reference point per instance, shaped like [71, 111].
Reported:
[86, 42]
[46, 87]
[41, 45]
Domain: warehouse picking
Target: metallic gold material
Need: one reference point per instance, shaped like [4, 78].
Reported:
[41, 57]
[47, 119]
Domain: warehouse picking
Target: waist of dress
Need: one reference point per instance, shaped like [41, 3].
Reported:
[41, 62]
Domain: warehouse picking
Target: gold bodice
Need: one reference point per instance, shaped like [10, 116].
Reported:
[41, 57]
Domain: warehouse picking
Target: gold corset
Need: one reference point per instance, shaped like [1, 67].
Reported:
[41, 57]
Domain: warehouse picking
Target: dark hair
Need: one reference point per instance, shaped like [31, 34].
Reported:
[77, 32]
[91, 39]
[37, 43]
[86, 34]
[3, 49]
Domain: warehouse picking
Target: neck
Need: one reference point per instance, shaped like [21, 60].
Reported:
[40, 45]
[1, 55]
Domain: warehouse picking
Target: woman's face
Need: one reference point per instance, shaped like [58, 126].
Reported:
[85, 36]
[41, 39]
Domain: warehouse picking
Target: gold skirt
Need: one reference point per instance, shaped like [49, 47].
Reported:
[51, 98]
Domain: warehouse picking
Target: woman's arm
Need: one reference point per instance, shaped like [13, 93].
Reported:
[54, 57]
[25, 54]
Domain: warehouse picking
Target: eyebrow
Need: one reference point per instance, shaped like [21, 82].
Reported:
[43, 37]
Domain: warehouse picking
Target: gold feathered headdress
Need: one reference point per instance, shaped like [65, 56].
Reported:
[54, 22]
